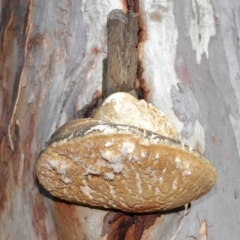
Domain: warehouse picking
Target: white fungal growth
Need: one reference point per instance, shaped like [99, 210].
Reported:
[178, 162]
[101, 128]
[109, 176]
[154, 138]
[174, 185]
[106, 155]
[135, 158]
[112, 191]
[157, 190]
[143, 154]
[53, 164]
[161, 180]
[62, 169]
[63, 141]
[87, 191]
[65, 179]
[117, 99]
[186, 173]
[108, 144]
[127, 148]
[184, 166]
[90, 170]
[117, 167]
[139, 183]
[117, 158]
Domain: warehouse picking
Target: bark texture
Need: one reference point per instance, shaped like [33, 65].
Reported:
[51, 72]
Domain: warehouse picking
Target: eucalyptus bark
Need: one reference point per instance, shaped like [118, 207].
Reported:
[51, 68]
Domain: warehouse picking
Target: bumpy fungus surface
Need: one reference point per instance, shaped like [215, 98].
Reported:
[121, 166]
[123, 108]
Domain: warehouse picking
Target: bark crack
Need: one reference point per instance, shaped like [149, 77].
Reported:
[10, 126]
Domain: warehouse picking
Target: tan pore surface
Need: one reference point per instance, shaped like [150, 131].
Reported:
[123, 108]
[112, 166]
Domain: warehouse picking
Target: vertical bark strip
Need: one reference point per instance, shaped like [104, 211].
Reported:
[120, 68]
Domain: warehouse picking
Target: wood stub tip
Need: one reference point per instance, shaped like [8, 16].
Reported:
[120, 67]
[117, 14]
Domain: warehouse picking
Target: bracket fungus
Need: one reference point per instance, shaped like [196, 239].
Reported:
[112, 163]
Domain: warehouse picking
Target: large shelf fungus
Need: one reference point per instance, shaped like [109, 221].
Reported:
[110, 163]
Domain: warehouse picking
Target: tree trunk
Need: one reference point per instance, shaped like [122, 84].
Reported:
[51, 72]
